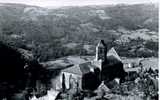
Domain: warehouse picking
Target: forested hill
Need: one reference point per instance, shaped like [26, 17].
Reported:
[18, 73]
[53, 33]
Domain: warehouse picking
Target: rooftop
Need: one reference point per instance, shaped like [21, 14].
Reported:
[80, 69]
[112, 52]
[101, 43]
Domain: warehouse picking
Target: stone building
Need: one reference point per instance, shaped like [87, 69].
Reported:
[88, 75]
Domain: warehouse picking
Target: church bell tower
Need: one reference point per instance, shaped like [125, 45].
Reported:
[101, 51]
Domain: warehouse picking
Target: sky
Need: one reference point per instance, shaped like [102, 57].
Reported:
[61, 3]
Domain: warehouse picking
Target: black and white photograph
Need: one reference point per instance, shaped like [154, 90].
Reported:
[79, 49]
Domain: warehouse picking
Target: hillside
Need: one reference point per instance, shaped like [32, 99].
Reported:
[51, 33]
[18, 71]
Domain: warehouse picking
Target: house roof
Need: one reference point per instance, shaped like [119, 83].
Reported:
[132, 69]
[80, 69]
[150, 62]
[112, 53]
[104, 87]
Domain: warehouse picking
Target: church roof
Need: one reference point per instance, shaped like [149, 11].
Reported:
[74, 69]
[80, 69]
[112, 53]
[101, 43]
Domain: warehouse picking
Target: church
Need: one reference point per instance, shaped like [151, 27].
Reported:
[88, 75]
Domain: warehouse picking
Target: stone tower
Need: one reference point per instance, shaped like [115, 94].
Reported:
[101, 51]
